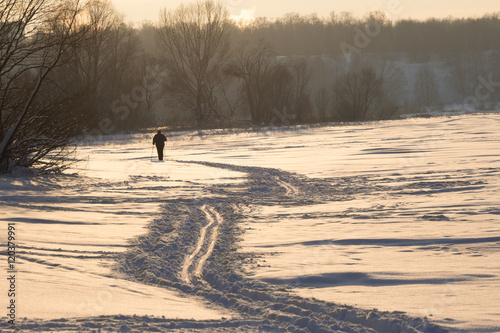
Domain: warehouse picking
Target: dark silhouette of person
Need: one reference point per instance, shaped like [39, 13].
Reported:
[159, 140]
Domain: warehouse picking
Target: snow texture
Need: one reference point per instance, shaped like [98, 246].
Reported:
[365, 214]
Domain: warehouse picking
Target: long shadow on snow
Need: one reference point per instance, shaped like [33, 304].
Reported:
[353, 279]
[391, 242]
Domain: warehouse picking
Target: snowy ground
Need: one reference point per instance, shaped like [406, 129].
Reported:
[267, 231]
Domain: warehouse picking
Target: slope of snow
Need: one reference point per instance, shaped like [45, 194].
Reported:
[275, 230]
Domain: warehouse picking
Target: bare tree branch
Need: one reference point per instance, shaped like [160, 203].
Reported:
[195, 43]
[36, 54]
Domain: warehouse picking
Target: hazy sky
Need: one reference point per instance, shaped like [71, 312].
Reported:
[140, 10]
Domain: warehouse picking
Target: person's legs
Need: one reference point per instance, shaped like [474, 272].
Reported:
[160, 152]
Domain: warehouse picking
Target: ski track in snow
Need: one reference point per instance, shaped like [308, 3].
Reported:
[216, 219]
[212, 218]
[188, 237]
[290, 190]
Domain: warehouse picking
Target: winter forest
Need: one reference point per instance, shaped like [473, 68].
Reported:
[76, 67]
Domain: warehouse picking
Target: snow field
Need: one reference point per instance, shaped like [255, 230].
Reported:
[273, 230]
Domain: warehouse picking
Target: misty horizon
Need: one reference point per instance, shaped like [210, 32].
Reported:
[395, 9]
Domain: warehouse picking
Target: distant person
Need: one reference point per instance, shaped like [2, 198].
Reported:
[159, 140]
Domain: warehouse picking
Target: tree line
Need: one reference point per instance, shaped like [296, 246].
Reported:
[296, 34]
[74, 66]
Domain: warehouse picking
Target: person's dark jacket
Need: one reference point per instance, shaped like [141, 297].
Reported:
[159, 140]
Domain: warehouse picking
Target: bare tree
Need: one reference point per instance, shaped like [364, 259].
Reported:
[253, 66]
[323, 102]
[194, 40]
[357, 93]
[370, 90]
[151, 78]
[267, 84]
[35, 35]
[231, 92]
[426, 89]
[301, 73]
[393, 81]
[103, 67]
